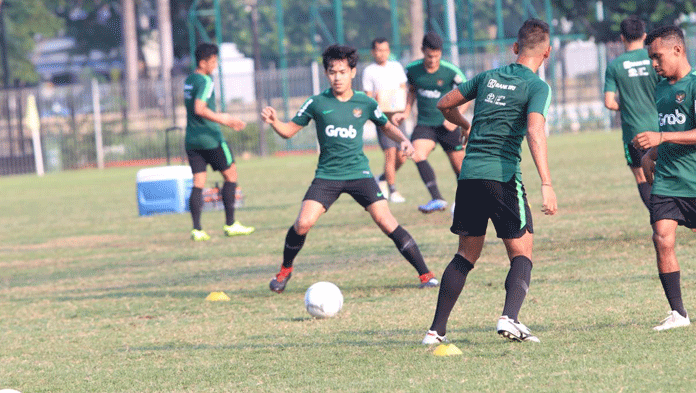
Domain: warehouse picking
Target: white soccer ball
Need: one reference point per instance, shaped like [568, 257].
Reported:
[323, 300]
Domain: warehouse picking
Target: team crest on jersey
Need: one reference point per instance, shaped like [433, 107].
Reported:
[357, 112]
[680, 97]
[440, 82]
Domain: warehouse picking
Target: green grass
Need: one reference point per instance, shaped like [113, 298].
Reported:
[94, 298]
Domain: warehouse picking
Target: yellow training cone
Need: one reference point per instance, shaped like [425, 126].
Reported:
[447, 350]
[217, 297]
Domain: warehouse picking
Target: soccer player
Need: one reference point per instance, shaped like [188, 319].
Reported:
[340, 113]
[385, 81]
[206, 145]
[671, 161]
[428, 79]
[634, 79]
[511, 101]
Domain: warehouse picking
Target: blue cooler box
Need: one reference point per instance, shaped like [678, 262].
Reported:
[164, 189]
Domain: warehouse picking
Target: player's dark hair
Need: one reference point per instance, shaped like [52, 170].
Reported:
[205, 50]
[340, 52]
[432, 41]
[379, 40]
[665, 33]
[632, 28]
[533, 32]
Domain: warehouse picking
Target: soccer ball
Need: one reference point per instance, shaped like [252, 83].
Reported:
[323, 300]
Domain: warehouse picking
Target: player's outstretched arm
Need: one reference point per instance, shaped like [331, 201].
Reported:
[449, 106]
[536, 138]
[285, 130]
[200, 108]
[396, 135]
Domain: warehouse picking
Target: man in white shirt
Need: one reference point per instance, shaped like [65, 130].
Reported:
[385, 81]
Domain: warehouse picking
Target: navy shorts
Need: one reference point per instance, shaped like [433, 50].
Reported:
[505, 204]
[449, 140]
[682, 210]
[364, 191]
[219, 158]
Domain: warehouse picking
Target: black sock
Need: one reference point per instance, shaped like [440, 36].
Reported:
[644, 190]
[428, 176]
[293, 245]
[196, 206]
[517, 285]
[409, 249]
[228, 196]
[381, 177]
[451, 285]
[671, 285]
[392, 188]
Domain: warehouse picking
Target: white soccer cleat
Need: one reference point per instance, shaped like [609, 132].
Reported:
[433, 338]
[514, 331]
[674, 320]
[396, 197]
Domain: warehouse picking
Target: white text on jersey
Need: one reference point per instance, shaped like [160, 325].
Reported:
[672, 118]
[342, 132]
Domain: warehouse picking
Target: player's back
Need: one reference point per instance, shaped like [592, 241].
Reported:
[632, 75]
[504, 97]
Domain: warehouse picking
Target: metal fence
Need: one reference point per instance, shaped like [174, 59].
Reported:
[72, 136]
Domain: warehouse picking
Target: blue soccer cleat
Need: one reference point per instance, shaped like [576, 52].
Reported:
[433, 206]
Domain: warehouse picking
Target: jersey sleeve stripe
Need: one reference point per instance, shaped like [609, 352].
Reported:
[304, 107]
[208, 90]
[548, 100]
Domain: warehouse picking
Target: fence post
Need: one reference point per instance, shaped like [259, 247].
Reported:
[96, 108]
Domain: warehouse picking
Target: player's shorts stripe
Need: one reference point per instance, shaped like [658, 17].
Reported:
[627, 153]
[520, 203]
[228, 154]
[304, 107]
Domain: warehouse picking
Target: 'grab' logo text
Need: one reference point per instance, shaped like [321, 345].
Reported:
[672, 118]
[342, 132]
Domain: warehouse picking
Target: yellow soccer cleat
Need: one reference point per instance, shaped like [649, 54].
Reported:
[237, 229]
[199, 235]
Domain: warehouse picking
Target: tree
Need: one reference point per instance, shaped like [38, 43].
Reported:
[24, 20]
[95, 25]
[584, 16]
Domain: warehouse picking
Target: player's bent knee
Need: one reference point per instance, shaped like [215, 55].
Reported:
[302, 226]
[664, 241]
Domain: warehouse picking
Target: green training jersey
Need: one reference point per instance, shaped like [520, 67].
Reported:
[504, 97]
[632, 75]
[430, 87]
[340, 133]
[200, 133]
[675, 169]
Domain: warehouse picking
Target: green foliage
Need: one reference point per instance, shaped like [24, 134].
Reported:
[24, 20]
[94, 25]
[655, 13]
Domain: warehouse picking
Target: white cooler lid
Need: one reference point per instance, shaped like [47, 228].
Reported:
[164, 173]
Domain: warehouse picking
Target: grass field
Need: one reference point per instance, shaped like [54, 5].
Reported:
[94, 298]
